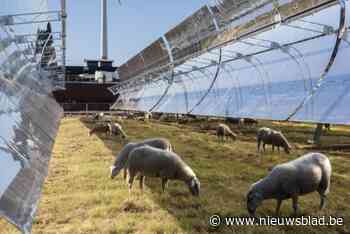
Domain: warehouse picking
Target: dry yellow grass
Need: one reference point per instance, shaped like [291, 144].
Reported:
[79, 196]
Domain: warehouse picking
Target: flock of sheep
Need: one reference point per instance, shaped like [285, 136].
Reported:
[155, 157]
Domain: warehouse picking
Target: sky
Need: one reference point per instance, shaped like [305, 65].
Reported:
[132, 26]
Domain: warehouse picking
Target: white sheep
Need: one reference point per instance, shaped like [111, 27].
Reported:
[153, 162]
[98, 116]
[241, 122]
[306, 174]
[147, 116]
[123, 156]
[249, 122]
[116, 129]
[274, 138]
[102, 128]
[223, 131]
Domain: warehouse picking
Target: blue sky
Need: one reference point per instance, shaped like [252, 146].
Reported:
[132, 26]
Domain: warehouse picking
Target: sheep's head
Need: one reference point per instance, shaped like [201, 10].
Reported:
[287, 149]
[254, 200]
[194, 186]
[114, 171]
[284, 142]
[233, 136]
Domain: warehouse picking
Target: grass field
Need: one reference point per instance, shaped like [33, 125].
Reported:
[79, 196]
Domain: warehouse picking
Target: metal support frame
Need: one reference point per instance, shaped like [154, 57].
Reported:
[341, 30]
[249, 59]
[237, 87]
[211, 85]
[133, 82]
[241, 36]
[285, 48]
[63, 35]
[33, 18]
[170, 83]
[17, 19]
[185, 94]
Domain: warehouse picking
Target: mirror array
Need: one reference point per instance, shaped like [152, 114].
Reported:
[279, 60]
[30, 68]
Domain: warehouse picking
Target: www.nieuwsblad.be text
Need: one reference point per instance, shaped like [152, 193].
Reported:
[217, 221]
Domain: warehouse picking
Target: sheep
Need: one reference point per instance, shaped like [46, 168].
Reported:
[99, 128]
[123, 156]
[327, 126]
[249, 122]
[306, 174]
[223, 131]
[241, 122]
[153, 162]
[116, 129]
[147, 116]
[274, 138]
[232, 120]
[98, 116]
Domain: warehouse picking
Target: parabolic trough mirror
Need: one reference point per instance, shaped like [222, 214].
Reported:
[279, 60]
[31, 66]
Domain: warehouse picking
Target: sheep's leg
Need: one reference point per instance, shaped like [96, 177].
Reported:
[273, 148]
[264, 147]
[131, 181]
[125, 173]
[295, 204]
[164, 183]
[142, 180]
[279, 202]
[322, 201]
[259, 142]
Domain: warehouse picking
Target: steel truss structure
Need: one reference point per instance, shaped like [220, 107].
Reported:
[31, 67]
[281, 60]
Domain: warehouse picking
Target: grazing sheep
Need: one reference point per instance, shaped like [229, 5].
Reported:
[306, 174]
[327, 126]
[241, 122]
[223, 131]
[249, 122]
[116, 129]
[123, 156]
[168, 117]
[99, 128]
[98, 116]
[147, 116]
[232, 120]
[274, 138]
[153, 162]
